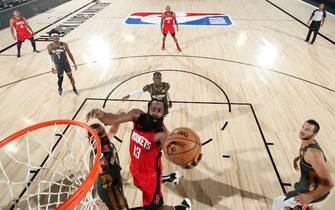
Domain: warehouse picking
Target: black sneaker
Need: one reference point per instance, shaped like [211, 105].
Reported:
[18, 55]
[76, 92]
[187, 203]
[175, 176]
[60, 92]
[36, 51]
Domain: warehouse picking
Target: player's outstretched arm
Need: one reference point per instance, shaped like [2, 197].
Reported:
[113, 119]
[161, 136]
[135, 93]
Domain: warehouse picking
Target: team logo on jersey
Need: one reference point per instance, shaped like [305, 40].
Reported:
[141, 140]
[197, 19]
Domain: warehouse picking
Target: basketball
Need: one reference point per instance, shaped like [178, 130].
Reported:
[182, 146]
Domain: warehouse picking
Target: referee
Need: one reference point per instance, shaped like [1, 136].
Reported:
[315, 22]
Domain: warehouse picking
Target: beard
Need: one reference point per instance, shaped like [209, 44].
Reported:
[152, 123]
[305, 137]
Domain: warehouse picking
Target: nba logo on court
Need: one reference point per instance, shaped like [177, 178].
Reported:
[195, 19]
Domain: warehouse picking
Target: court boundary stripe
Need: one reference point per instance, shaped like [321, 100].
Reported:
[21, 80]
[224, 126]
[268, 150]
[295, 18]
[206, 142]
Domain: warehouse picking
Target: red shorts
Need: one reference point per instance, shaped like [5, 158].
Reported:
[169, 29]
[151, 187]
[23, 36]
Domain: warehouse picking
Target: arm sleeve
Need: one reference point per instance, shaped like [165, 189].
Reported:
[313, 12]
[136, 93]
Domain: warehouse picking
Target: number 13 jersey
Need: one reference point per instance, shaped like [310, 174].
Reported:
[145, 153]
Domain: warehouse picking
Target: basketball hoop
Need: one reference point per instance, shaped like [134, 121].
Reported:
[71, 165]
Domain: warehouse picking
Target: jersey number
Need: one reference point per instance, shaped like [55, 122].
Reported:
[137, 152]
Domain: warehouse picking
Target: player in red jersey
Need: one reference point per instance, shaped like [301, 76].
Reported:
[146, 139]
[167, 26]
[23, 31]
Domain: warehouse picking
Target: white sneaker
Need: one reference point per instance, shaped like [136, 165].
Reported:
[176, 177]
[187, 203]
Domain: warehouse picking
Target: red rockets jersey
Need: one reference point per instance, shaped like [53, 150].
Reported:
[20, 25]
[144, 151]
[21, 29]
[168, 19]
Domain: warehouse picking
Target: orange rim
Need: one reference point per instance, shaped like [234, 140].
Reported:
[80, 193]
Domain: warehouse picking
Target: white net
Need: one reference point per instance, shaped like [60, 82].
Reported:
[43, 168]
